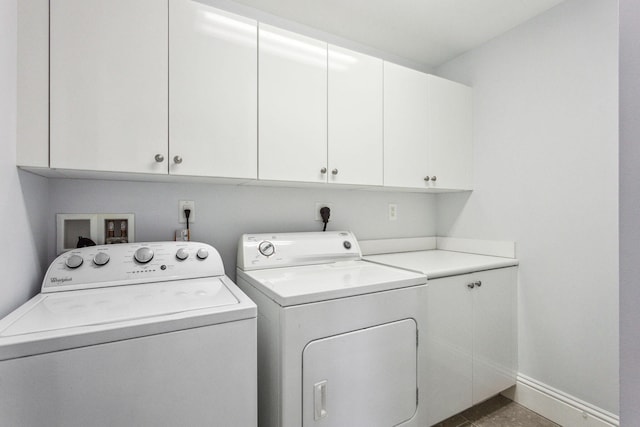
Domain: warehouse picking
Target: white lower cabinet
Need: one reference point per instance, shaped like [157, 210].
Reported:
[471, 340]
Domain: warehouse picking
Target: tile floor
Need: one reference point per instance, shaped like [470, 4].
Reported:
[497, 412]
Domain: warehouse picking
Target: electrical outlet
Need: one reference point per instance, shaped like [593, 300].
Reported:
[393, 212]
[320, 205]
[186, 204]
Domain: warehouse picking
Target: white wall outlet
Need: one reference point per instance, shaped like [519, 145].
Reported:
[320, 205]
[393, 212]
[187, 204]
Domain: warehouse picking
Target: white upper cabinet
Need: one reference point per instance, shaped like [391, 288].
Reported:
[406, 131]
[450, 138]
[355, 118]
[108, 84]
[293, 107]
[213, 93]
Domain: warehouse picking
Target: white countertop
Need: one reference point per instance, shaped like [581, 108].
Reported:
[438, 263]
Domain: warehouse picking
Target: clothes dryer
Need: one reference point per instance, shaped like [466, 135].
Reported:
[338, 337]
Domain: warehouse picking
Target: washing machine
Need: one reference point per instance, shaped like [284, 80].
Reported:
[140, 334]
[339, 338]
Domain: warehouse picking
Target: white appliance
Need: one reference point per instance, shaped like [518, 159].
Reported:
[143, 334]
[338, 337]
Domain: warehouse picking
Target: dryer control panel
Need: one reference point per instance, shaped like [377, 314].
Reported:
[131, 263]
[259, 251]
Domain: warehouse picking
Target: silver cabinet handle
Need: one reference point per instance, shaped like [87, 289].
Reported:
[427, 178]
[478, 283]
[433, 178]
[323, 170]
[471, 285]
[320, 400]
[177, 160]
[159, 158]
[334, 172]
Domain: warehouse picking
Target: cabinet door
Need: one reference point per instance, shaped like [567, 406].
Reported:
[293, 106]
[355, 118]
[213, 92]
[495, 334]
[449, 347]
[450, 134]
[405, 127]
[362, 378]
[108, 86]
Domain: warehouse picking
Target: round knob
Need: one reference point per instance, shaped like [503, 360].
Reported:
[478, 283]
[182, 254]
[346, 244]
[143, 255]
[427, 178]
[101, 258]
[202, 253]
[471, 285]
[266, 248]
[334, 172]
[433, 178]
[323, 170]
[177, 160]
[159, 158]
[74, 261]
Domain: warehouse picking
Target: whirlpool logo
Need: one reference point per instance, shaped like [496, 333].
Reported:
[60, 280]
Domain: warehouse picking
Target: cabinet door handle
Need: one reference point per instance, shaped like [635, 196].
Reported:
[471, 285]
[159, 158]
[427, 178]
[478, 283]
[334, 172]
[323, 170]
[433, 178]
[177, 160]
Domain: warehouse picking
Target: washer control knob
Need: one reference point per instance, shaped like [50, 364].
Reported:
[182, 254]
[101, 259]
[266, 248]
[74, 261]
[143, 255]
[202, 253]
[346, 244]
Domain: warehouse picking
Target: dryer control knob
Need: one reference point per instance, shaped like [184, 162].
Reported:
[101, 259]
[143, 255]
[266, 248]
[74, 261]
[202, 253]
[182, 254]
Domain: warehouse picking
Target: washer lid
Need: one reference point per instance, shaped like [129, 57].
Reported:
[61, 320]
[312, 283]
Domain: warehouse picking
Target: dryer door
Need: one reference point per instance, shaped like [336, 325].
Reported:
[361, 378]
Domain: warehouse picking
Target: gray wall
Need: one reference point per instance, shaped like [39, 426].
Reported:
[24, 196]
[225, 212]
[629, 212]
[546, 176]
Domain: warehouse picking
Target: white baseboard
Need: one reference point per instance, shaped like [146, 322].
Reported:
[558, 406]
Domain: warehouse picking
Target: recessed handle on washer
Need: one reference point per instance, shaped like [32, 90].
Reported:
[320, 400]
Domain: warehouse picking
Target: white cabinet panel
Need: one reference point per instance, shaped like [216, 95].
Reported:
[345, 383]
[293, 106]
[471, 340]
[449, 347]
[108, 86]
[355, 118]
[495, 332]
[450, 134]
[213, 93]
[405, 127]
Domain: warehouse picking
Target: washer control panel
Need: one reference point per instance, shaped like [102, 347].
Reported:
[131, 263]
[258, 251]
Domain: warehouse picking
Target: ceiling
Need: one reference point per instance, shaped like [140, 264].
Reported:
[428, 32]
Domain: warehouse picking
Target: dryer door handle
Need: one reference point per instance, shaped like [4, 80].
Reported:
[320, 400]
